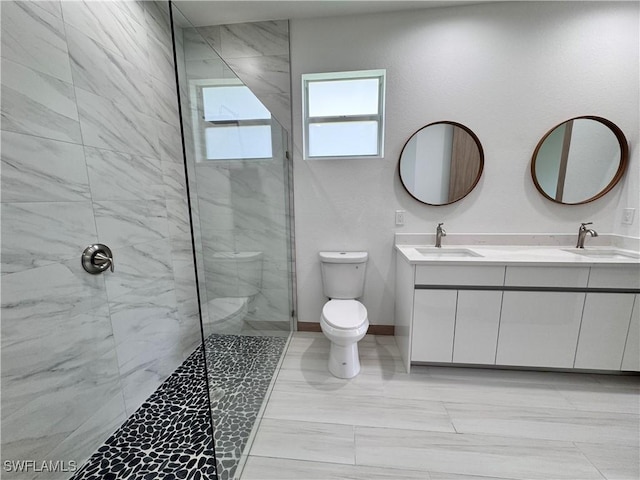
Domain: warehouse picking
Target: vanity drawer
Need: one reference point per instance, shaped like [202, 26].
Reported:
[620, 276]
[459, 275]
[544, 276]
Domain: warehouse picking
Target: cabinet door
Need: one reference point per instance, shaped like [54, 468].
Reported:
[631, 358]
[476, 332]
[605, 323]
[539, 329]
[434, 315]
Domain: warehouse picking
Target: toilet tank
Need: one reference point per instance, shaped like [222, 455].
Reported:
[343, 274]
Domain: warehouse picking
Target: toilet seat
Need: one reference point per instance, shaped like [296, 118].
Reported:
[344, 314]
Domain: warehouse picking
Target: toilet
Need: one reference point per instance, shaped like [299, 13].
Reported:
[344, 320]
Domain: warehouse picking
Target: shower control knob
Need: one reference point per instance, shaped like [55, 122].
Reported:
[97, 258]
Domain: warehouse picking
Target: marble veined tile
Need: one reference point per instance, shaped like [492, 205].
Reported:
[120, 176]
[268, 74]
[455, 476]
[118, 127]
[207, 69]
[51, 6]
[179, 226]
[161, 60]
[492, 376]
[465, 454]
[196, 47]
[174, 180]
[170, 141]
[139, 266]
[36, 169]
[46, 293]
[615, 462]
[301, 440]
[279, 104]
[55, 412]
[102, 72]
[553, 424]
[164, 102]
[255, 39]
[316, 382]
[122, 223]
[110, 25]
[157, 20]
[38, 104]
[40, 355]
[56, 368]
[81, 444]
[154, 339]
[45, 233]
[33, 37]
[477, 391]
[134, 9]
[356, 409]
[265, 468]
[607, 397]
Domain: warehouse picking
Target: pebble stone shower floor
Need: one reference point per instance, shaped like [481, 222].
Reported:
[169, 436]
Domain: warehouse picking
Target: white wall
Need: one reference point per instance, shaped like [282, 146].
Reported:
[510, 72]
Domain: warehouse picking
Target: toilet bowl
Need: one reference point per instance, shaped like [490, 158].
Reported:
[344, 319]
[344, 323]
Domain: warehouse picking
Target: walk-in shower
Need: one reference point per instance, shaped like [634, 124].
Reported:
[233, 103]
[100, 110]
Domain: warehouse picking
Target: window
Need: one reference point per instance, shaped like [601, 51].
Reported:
[343, 114]
[236, 125]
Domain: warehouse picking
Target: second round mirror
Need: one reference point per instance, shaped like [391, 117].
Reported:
[441, 163]
[579, 160]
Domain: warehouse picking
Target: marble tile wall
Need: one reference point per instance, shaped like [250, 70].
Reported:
[243, 205]
[91, 152]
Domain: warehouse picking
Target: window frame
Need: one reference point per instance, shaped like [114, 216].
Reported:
[379, 74]
[199, 133]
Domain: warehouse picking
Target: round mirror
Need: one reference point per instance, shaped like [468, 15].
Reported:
[579, 160]
[441, 163]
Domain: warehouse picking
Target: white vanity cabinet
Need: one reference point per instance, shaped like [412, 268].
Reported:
[539, 327]
[631, 357]
[434, 321]
[606, 322]
[573, 315]
[451, 323]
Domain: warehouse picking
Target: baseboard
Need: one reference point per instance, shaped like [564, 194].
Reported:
[373, 329]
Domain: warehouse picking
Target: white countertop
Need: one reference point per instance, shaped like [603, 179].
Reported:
[520, 255]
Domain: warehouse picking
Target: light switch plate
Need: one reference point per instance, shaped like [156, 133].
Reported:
[627, 216]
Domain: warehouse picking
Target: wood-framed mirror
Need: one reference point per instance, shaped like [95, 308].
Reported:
[579, 160]
[441, 163]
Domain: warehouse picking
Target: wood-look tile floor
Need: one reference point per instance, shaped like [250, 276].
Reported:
[441, 423]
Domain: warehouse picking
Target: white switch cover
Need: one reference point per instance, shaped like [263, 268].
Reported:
[399, 217]
[627, 216]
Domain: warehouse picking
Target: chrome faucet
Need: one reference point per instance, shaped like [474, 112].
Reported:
[440, 232]
[582, 234]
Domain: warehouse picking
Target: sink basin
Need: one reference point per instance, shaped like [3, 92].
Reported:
[444, 252]
[604, 253]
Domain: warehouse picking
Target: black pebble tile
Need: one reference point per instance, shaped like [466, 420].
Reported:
[169, 437]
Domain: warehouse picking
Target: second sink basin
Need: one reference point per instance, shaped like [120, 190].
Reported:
[445, 252]
[603, 253]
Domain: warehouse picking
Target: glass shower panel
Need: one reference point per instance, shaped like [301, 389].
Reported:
[236, 154]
